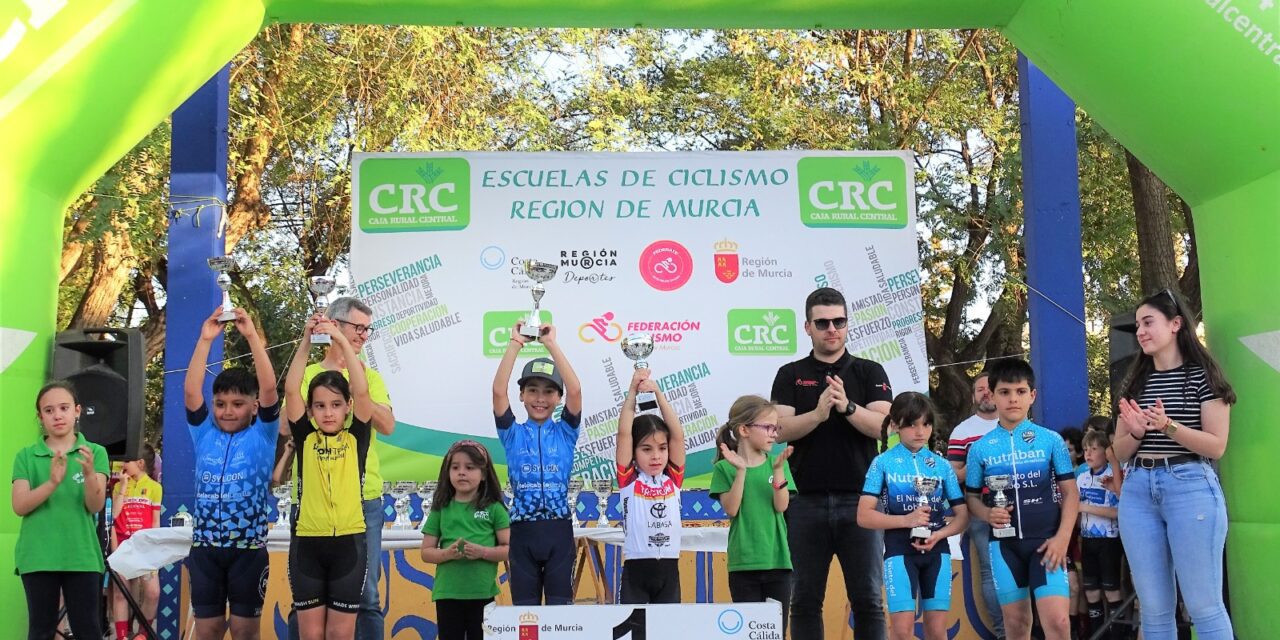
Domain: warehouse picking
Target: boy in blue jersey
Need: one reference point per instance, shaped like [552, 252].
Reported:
[917, 558]
[1042, 509]
[234, 455]
[539, 462]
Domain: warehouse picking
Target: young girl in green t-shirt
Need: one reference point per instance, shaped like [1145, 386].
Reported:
[59, 485]
[466, 535]
[754, 487]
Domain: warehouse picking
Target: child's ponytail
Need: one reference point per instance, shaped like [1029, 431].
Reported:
[884, 435]
[727, 436]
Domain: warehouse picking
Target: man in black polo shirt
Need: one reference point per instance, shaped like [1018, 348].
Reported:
[831, 406]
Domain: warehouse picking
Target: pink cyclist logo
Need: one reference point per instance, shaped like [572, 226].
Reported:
[666, 265]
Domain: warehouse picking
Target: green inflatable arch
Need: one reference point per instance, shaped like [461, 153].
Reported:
[1192, 87]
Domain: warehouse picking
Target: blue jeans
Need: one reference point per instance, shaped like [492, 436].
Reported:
[1173, 521]
[370, 621]
[818, 527]
[979, 553]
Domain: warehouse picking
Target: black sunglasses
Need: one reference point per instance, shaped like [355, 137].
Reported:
[826, 323]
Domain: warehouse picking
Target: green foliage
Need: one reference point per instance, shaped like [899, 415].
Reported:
[304, 98]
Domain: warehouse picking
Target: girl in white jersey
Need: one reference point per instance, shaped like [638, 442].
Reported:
[650, 471]
[1174, 417]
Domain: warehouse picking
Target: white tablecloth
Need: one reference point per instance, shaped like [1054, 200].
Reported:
[150, 549]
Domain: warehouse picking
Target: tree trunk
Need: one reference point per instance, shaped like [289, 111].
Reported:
[1155, 233]
[73, 246]
[111, 260]
[1189, 283]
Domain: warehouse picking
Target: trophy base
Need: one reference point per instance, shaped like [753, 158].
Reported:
[227, 316]
[921, 534]
[532, 332]
[321, 338]
[1003, 532]
[646, 401]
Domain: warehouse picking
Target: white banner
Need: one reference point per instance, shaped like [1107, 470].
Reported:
[711, 253]
[745, 620]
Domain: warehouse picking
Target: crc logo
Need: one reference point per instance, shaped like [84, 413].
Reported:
[666, 265]
[762, 332]
[399, 194]
[601, 328]
[496, 333]
[848, 191]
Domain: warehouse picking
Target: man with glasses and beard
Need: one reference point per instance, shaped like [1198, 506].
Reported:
[354, 318]
[831, 407]
[963, 436]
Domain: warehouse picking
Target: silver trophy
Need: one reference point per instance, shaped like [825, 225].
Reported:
[427, 492]
[510, 494]
[320, 287]
[925, 487]
[575, 488]
[222, 265]
[602, 489]
[539, 272]
[638, 346]
[282, 493]
[182, 519]
[998, 484]
[400, 493]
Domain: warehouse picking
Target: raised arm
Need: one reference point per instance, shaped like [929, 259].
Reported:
[193, 384]
[572, 386]
[294, 406]
[675, 444]
[267, 394]
[502, 378]
[625, 452]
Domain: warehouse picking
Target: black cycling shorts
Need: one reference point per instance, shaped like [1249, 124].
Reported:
[327, 571]
[222, 575]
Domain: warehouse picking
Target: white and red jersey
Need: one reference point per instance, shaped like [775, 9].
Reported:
[650, 512]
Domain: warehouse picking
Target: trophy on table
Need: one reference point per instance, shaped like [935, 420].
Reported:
[400, 493]
[182, 519]
[575, 488]
[539, 272]
[925, 487]
[224, 264]
[1000, 501]
[320, 287]
[637, 347]
[427, 492]
[282, 493]
[602, 489]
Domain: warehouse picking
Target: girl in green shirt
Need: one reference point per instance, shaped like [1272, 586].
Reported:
[754, 487]
[466, 535]
[59, 485]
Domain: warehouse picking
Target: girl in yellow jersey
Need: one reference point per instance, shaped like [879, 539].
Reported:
[331, 436]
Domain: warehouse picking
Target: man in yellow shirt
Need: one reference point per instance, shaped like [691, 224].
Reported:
[354, 318]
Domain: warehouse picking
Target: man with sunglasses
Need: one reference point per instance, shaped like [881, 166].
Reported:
[354, 318]
[831, 406]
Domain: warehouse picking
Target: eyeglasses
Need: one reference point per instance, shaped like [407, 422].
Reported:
[765, 427]
[361, 329]
[826, 323]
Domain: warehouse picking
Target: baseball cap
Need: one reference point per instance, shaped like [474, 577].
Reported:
[544, 368]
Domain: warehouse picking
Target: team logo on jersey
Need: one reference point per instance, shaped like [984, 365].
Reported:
[930, 462]
[659, 540]
[1028, 437]
[658, 510]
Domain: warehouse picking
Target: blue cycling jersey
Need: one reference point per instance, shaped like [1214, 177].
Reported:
[1036, 460]
[892, 477]
[539, 463]
[233, 479]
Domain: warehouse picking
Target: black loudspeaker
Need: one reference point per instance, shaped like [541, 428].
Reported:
[1123, 343]
[105, 366]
